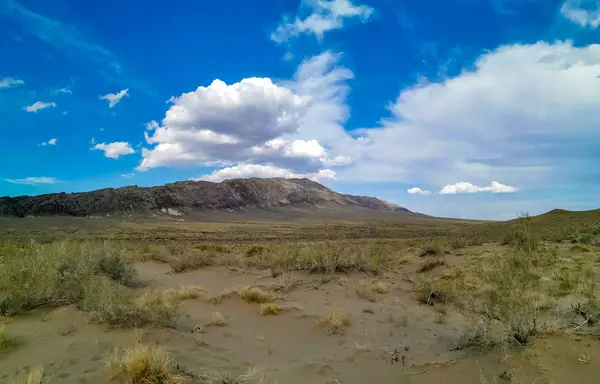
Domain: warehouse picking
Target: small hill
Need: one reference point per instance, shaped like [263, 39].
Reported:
[200, 198]
[555, 225]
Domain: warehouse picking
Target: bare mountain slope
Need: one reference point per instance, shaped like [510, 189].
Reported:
[196, 198]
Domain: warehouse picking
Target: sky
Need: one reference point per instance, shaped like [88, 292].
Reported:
[461, 108]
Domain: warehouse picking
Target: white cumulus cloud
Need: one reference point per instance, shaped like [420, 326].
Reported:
[8, 82]
[114, 150]
[417, 191]
[586, 13]
[115, 98]
[224, 123]
[465, 187]
[39, 105]
[263, 171]
[253, 122]
[49, 142]
[33, 180]
[524, 114]
[256, 125]
[320, 16]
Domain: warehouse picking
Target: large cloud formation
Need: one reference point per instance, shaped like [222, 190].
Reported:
[247, 122]
[525, 115]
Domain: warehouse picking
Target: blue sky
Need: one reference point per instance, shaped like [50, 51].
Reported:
[461, 108]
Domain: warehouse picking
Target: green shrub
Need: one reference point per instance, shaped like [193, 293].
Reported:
[326, 258]
[6, 340]
[191, 259]
[255, 250]
[116, 267]
[116, 306]
[458, 242]
[110, 303]
[54, 274]
[523, 237]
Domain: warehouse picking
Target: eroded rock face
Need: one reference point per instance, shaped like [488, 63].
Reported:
[188, 197]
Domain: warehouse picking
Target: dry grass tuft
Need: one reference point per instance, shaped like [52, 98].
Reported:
[476, 334]
[433, 249]
[255, 294]
[269, 309]
[335, 321]
[428, 265]
[287, 282]
[217, 298]
[381, 287]
[218, 320]
[35, 375]
[432, 291]
[365, 291]
[187, 292]
[142, 364]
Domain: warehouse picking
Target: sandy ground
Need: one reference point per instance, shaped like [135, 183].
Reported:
[393, 339]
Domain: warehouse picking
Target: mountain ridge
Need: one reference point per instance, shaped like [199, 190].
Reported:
[189, 198]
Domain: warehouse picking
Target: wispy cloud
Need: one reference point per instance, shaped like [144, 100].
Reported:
[39, 105]
[321, 16]
[72, 42]
[584, 13]
[61, 35]
[8, 82]
[49, 142]
[115, 98]
[33, 180]
[63, 90]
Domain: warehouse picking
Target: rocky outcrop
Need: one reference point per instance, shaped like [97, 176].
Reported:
[192, 197]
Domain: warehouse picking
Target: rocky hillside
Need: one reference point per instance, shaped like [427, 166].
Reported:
[195, 198]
